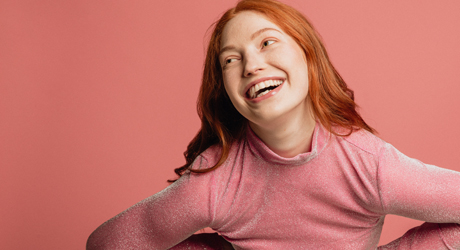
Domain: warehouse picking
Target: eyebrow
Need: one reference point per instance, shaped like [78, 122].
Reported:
[253, 36]
[257, 33]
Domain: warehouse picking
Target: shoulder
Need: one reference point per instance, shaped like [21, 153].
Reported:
[363, 140]
[211, 156]
[207, 158]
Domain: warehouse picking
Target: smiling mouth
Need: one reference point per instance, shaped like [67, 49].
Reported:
[263, 88]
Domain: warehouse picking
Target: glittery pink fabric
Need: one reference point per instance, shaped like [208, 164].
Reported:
[334, 197]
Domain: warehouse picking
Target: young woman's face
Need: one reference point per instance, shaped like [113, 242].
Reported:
[264, 70]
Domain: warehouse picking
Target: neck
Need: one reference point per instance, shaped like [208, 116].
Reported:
[288, 139]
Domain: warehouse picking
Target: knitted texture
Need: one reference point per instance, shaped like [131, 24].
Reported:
[334, 197]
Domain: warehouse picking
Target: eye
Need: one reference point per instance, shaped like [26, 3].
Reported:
[230, 60]
[268, 42]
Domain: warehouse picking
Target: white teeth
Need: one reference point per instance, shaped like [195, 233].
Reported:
[256, 88]
[253, 91]
[263, 85]
[263, 93]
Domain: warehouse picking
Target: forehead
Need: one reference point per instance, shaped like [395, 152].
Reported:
[243, 25]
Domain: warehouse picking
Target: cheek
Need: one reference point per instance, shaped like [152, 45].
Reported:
[231, 90]
[298, 64]
[227, 88]
[233, 94]
[231, 81]
[290, 58]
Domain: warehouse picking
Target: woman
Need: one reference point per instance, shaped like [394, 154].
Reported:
[283, 160]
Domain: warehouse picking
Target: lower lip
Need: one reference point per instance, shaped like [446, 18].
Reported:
[268, 95]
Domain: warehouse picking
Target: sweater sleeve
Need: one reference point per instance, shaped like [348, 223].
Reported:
[161, 221]
[432, 236]
[424, 192]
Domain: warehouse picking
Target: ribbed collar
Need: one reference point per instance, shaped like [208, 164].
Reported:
[258, 147]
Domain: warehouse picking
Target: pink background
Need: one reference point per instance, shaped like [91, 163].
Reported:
[97, 99]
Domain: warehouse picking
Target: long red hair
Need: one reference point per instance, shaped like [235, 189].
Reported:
[332, 101]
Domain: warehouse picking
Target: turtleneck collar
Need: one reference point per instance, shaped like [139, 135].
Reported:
[258, 147]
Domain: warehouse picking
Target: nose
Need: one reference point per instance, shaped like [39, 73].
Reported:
[253, 64]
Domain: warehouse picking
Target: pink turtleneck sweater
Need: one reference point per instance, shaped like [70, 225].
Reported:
[334, 197]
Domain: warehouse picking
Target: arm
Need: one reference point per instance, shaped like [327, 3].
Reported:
[160, 221]
[428, 236]
[424, 192]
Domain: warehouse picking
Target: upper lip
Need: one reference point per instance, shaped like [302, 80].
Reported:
[256, 81]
